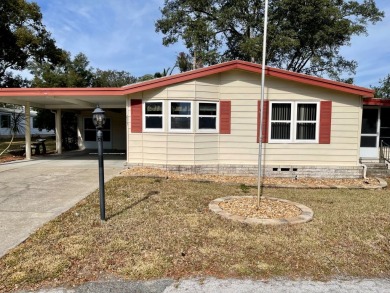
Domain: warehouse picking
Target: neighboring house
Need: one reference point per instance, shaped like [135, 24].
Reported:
[6, 119]
[207, 120]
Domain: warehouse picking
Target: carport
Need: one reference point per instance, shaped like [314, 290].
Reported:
[61, 99]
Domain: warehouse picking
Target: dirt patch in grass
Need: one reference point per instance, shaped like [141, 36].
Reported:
[5, 158]
[160, 228]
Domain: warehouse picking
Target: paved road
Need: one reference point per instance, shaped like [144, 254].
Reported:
[36, 191]
[210, 285]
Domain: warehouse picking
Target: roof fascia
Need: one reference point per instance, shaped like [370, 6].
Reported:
[190, 75]
[251, 67]
[376, 102]
[41, 92]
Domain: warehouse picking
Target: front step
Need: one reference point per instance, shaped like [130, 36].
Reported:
[377, 170]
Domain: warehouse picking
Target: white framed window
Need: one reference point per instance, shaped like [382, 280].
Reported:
[207, 116]
[90, 130]
[153, 116]
[281, 121]
[294, 122]
[180, 116]
[306, 122]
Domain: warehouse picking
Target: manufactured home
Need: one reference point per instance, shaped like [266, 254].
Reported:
[207, 121]
[6, 119]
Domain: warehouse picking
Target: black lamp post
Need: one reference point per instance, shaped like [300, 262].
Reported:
[99, 119]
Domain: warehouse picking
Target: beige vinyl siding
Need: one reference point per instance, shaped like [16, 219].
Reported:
[193, 90]
[178, 148]
[240, 147]
[343, 149]
[134, 148]
[206, 149]
[243, 89]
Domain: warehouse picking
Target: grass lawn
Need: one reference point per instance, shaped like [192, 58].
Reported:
[162, 228]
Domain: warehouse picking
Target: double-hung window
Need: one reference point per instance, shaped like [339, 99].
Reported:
[207, 116]
[306, 123]
[294, 122]
[180, 116]
[177, 116]
[281, 124]
[90, 130]
[153, 116]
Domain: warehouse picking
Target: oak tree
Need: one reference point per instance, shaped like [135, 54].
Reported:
[23, 38]
[382, 91]
[303, 35]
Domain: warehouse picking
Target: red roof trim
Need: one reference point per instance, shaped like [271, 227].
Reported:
[251, 67]
[321, 82]
[39, 92]
[376, 102]
[190, 75]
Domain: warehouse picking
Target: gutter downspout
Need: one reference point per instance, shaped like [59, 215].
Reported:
[364, 170]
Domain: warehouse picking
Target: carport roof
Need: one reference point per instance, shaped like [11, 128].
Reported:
[68, 98]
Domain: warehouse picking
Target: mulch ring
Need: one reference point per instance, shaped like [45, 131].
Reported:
[252, 180]
[270, 211]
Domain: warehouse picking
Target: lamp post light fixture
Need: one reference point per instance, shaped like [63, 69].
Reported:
[99, 119]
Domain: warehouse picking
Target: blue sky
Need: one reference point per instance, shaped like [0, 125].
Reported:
[120, 35]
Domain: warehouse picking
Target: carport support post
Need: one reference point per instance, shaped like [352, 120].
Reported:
[27, 132]
[58, 121]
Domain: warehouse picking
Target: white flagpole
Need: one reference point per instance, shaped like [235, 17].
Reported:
[262, 104]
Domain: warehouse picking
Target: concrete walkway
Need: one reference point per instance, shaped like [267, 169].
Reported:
[211, 285]
[36, 191]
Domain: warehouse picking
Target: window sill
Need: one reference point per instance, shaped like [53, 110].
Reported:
[294, 142]
[153, 130]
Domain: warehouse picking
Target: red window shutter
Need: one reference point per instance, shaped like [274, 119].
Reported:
[265, 121]
[225, 117]
[136, 116]
[325, 122]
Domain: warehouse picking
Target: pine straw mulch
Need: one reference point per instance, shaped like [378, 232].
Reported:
[5, 158]
[268, 209]
[251, 180]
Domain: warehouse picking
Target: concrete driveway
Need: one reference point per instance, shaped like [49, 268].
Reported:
[36, 191]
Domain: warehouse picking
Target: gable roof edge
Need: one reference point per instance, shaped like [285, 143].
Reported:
[251, 67]
[190, 75]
